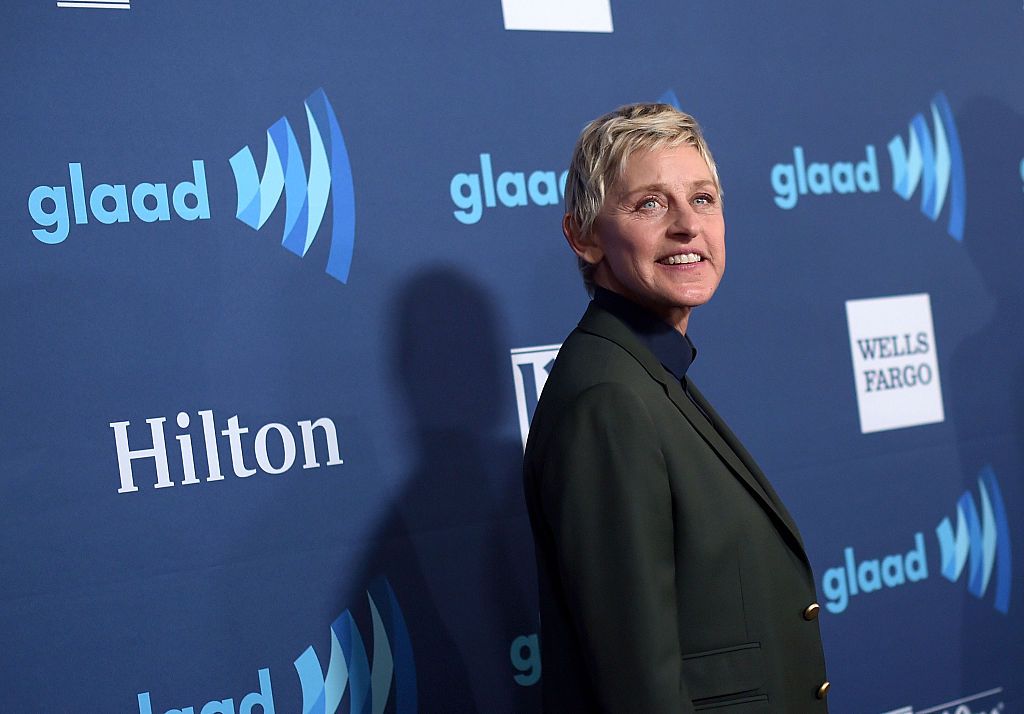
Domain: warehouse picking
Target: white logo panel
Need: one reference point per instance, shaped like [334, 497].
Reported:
[558, 16]
[895, 365]
[961, 705]
[530, 368]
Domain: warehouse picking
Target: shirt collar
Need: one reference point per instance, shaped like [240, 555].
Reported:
[674, 350]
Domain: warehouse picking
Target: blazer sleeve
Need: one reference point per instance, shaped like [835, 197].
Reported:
[607, 501]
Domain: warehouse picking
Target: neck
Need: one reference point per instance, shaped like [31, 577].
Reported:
[677, 317]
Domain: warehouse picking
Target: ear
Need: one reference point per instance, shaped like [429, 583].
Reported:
[586, 246]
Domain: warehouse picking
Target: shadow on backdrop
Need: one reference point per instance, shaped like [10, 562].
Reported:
[986, 391]
[455, 543]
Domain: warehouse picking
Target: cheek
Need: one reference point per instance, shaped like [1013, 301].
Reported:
[718, 254]
[626, 256]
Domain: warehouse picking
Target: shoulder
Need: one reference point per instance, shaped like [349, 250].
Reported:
[587, 358]
[605, 423]
[594, 384]
[590, 369]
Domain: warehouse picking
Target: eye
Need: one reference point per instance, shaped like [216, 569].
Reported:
[648, 203]
[705, 199]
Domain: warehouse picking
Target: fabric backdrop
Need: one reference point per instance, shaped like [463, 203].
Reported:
[281, 283]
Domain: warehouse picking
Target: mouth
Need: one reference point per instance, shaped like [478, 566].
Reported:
[681, 259]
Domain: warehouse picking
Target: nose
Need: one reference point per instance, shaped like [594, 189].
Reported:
[684, 223]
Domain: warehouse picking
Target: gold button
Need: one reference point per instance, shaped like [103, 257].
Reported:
[823, 690]
[811, 611]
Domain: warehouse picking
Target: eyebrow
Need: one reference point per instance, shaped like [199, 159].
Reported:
[699, 183]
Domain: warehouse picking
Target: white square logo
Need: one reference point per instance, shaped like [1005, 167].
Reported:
[530, 368]
[895, 365]
[558, 15]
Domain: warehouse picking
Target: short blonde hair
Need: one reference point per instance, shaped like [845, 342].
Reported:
[605, 144]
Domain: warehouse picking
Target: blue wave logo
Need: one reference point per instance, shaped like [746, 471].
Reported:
[306, 196]
[980, 542]
[669, 97]
[934, 161]
[369, 688]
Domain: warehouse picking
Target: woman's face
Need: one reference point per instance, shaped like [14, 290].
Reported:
[659, 239]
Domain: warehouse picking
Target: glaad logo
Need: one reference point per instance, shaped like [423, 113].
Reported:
[986, 541]
[932, 159]
[305, 198]
[264, 699]
[471, 193]
[108, 203]
[369, 687]
[512, 188]
[525, 655]
[530, 369]
[282, 447]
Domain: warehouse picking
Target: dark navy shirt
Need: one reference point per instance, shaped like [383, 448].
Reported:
[674, 350]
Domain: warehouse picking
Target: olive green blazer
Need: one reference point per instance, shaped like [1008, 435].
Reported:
[671, 577]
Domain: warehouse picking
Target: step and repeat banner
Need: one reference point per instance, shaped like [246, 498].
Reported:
[282, 283]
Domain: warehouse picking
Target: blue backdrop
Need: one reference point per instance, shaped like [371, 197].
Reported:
[235, 478]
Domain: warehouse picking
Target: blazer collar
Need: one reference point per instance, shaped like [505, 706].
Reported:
[600, 322]
[672, 349]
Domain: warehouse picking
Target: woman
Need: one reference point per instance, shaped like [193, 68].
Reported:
[671, 577]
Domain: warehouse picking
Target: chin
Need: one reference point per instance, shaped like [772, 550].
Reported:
[695, 299]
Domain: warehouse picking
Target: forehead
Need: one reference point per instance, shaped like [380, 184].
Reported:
[663, 165]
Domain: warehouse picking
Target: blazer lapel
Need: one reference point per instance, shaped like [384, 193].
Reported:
[602, 323]
[725, 443]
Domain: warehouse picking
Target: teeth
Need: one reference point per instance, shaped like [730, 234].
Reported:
[681, 259]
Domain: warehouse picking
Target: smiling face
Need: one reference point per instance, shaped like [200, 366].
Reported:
[659, 238]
